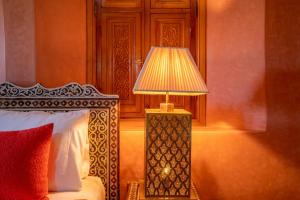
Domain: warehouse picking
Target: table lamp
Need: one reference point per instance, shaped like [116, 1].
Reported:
[168, 71]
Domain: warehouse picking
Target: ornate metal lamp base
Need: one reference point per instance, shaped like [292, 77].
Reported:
[168, 153]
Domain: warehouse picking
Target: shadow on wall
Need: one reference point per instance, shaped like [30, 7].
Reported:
[282, 138]
[209, 179]
[283, 80]
[283, 65]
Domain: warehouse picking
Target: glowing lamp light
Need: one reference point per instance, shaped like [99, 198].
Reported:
[169, 71]
[165, 172]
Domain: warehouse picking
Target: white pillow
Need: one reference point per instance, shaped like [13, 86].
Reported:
[68, 159]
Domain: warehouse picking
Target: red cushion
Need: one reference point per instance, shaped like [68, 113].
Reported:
[24, 163]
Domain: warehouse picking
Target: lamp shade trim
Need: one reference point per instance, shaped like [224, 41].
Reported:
[180, 93]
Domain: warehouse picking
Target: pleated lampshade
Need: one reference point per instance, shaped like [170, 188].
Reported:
[170, 70]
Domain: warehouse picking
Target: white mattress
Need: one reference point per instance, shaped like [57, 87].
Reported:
[92, 189]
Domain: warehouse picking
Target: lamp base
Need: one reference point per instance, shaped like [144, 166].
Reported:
[166, 107]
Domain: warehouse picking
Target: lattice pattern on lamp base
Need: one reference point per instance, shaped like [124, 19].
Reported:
[168, 153]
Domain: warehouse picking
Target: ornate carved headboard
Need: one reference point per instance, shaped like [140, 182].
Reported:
[103, 124]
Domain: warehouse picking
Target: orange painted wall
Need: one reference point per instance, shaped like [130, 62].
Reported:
[19, 41]
[244, 165]
[2, 44]
[261, 166]
[236, 64]
[60, 41]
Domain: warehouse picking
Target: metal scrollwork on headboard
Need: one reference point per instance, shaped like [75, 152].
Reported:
[103, 124]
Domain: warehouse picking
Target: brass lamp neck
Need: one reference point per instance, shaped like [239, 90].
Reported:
[167, 97]
[167, 107]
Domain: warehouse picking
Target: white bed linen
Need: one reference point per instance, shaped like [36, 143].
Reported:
[69, 152]
[92, 189]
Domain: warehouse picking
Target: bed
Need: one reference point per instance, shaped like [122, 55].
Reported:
[92, 189]
[103, 129]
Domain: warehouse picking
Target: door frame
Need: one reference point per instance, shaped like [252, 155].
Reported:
[91, 10]
[91, 28]
[201, 56]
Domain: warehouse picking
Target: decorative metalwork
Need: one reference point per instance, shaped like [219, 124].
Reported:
[132, 192]
[168, 154]
[103, 124]
[136, 192]
[10, 90]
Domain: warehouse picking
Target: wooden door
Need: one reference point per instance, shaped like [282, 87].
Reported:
[126, 29]
[121, 3]
[170, 3]
[119, 51]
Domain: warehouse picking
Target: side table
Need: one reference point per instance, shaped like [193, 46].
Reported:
[135, 191]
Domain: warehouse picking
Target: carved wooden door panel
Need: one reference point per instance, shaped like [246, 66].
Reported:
[170, 3]
[120, 49]
[171, 30]
[121, 3]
